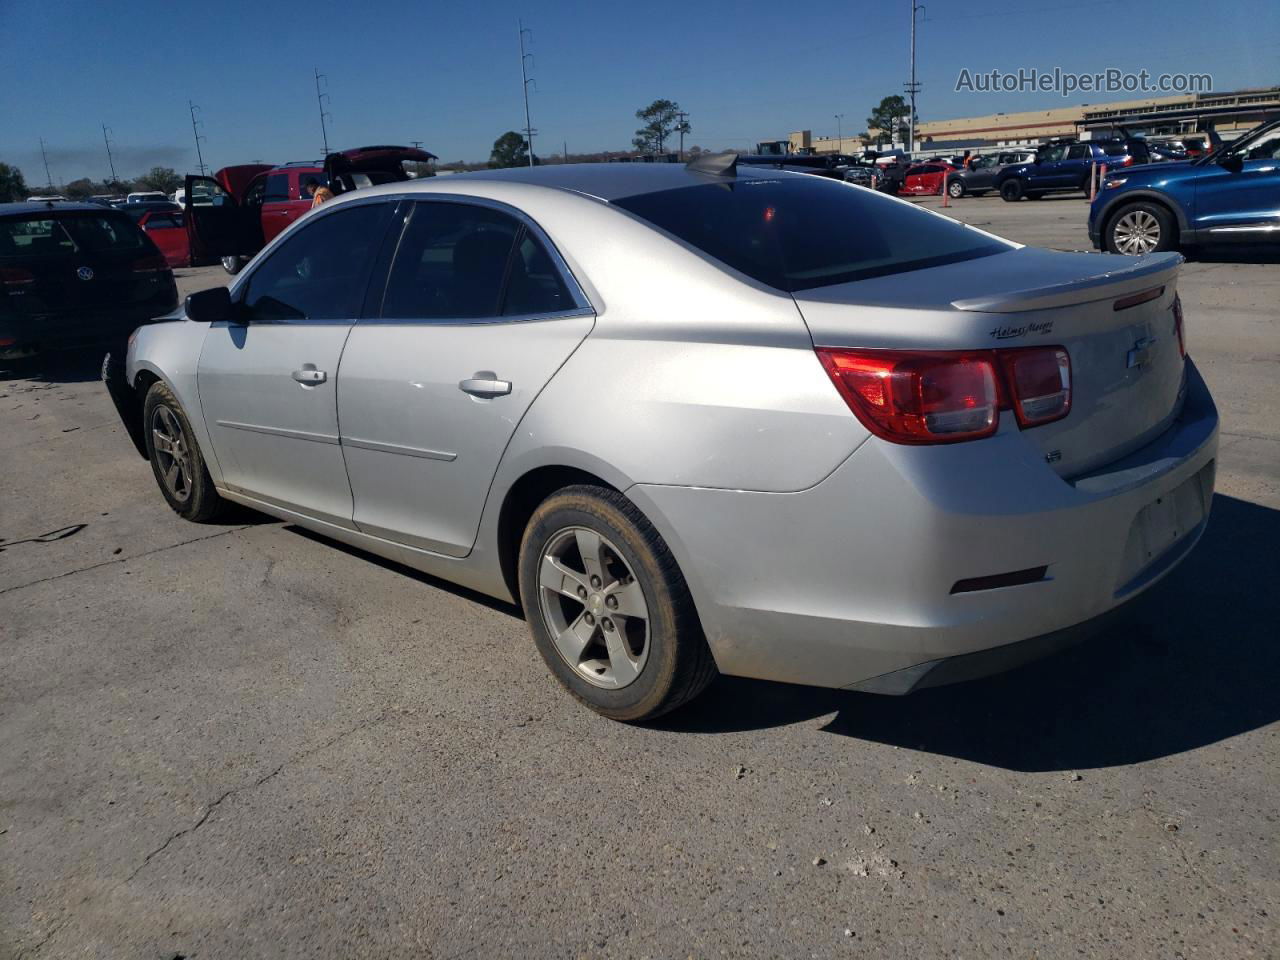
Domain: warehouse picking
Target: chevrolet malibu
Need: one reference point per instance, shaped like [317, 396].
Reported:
[699, 419]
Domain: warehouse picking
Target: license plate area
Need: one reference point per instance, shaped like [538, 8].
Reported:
[1157, 533]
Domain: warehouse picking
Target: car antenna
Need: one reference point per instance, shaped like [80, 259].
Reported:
[718, 164]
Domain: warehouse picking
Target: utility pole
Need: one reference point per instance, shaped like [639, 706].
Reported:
[840, 132]
[195, 130]
[566, 151]
[320, 99]
[526, 79]
[912, 87]
[681, 126]
[110, 161]
[44, 156]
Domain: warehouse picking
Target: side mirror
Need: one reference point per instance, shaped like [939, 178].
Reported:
[210, 306]
[1233, 162]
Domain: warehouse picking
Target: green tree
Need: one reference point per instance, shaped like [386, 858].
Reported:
[80, 189]
[12, 187]
[509, 150]
[661, 119]
[164, 179]
[889, 119]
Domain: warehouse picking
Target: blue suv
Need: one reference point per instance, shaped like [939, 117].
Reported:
[1231, 194]
[1066, 167]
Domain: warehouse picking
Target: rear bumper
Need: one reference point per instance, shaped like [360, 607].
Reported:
[30, 335]
[855, 579]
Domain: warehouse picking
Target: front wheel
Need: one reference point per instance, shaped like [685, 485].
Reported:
[176, 459]
[956, 189]
[608, 608]
[1140, 228]
[1011, 190]
[233, 265]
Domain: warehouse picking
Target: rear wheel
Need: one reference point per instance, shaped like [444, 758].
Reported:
[1140, 228]
[176, 460]
[956, 189]
[1011, 190]
[608, 607]
[232, 265]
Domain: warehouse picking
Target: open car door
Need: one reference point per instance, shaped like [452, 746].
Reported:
[218, 220]
[367, 166]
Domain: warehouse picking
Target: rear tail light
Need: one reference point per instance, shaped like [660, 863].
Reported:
[1177, 325]
[1128, 161]
[1039, 381]
[918, 397]
[154, 264]
[946, 397]
[16, 276]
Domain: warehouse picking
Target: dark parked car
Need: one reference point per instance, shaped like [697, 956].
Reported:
[1065, 167]
[1228, 195]
[76, 273]
[239, 210]
[979, 176]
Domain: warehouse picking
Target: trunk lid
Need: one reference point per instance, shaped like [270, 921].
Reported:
[1126, 367]
[367, 166]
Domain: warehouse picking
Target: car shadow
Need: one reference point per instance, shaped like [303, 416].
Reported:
[1192, 662]
[1234, 253]
[60, 366]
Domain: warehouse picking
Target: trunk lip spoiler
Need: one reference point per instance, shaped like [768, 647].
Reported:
[1139, 273]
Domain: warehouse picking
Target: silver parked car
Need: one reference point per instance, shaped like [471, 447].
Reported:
[699, 419]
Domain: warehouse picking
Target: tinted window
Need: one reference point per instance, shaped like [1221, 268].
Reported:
[451, 263]
[1078, 151]
[34, 238]
[534, 285]
[796, 234]
[319, 273]
[277, 188]
[1050, 154]
[163, 221]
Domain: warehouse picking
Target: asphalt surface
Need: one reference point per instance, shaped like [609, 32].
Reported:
[242, 741]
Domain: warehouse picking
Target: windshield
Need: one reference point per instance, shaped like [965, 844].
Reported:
[797, 234]
[47, 236]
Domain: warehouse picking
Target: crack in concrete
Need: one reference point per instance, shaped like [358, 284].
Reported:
[208, 811]
[136, 556]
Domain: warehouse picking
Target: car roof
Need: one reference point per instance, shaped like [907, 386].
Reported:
[613, 181]
[50, 207]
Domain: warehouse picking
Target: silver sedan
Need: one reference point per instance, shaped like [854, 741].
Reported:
[699, 419]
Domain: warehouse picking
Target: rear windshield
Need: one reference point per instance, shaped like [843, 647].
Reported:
[81, 233]
[797, 234]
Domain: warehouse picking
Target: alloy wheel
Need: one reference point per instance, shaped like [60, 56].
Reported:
[957, 189]
[593, 607]
[172, 453]
[1138, 231]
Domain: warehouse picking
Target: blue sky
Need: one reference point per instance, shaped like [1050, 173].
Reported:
[448, 73]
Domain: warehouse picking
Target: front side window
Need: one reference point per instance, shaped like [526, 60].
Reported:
[277, 188]
[319, 272]
[1265, 147]
[800, 233]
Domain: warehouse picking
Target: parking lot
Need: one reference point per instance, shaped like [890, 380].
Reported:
[242, 740]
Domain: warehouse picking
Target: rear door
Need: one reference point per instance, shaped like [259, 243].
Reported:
[268, 382]
[1076, 166]
[478, 314]
[1242, 204]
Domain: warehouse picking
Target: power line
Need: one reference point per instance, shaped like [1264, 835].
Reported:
[526, 80]
[320, 99]
[195, 131]
[110, 161]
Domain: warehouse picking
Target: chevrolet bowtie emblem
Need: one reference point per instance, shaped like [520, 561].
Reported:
[1142, 353]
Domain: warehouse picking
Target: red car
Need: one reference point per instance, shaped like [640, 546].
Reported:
[164, 224]
[926, 179]
[239, 210]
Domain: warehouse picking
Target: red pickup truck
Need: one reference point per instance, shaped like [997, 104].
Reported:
[233, 214]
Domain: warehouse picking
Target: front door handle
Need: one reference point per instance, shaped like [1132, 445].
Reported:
[485, 384]
[309, 376]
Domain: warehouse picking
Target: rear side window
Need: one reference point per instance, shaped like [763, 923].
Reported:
[451, 263]
[319, 272]
[1115, 149]
[800, 233]
[1078, 151]
[277, 188]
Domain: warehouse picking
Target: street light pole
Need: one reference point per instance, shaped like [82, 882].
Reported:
[913, 87]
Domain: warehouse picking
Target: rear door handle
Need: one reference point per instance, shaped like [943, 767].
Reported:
[309, 375]
[485, 384]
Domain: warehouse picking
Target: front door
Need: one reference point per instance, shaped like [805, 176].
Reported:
[477, 315]
[267, 382]
[1242, 204]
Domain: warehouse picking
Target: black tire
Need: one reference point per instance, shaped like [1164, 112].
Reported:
[192, 496]
[956, 189]
[1011, 191]
[233, 265]
[1167, 230]
[678, 663]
